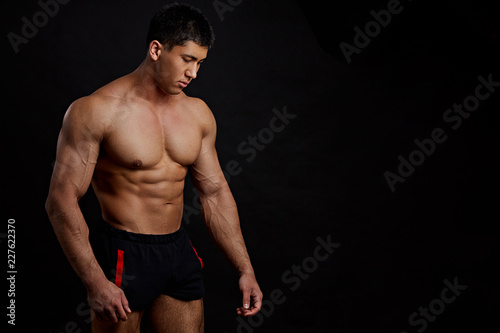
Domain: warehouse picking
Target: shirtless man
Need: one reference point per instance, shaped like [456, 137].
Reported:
[135, 139]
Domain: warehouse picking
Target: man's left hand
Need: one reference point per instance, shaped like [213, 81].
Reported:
[252, 296]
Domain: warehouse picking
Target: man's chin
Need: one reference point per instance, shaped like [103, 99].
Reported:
[171, 90]
[175, 92]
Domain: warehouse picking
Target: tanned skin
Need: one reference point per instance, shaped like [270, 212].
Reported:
[135, 140]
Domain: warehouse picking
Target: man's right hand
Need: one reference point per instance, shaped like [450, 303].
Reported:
[108, 301]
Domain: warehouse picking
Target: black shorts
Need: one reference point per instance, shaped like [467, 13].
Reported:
[147, 266]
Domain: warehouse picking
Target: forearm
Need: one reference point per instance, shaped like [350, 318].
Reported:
[73, 235]
[221, 217]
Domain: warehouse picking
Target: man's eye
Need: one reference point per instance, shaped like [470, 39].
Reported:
[186, 60]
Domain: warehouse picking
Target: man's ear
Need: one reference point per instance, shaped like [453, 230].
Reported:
[155, 49]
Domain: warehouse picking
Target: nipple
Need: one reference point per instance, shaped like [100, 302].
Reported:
[137, 163]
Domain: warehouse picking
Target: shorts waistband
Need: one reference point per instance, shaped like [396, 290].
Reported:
[142, 238]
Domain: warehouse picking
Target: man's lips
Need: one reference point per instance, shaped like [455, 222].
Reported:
[183, 84]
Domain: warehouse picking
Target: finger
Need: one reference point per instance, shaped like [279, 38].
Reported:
[244, 310]
[241, 311]
[247, 312]
[255, 305]
[246, 299]
[101, 315]
[110, 315]
[257, 301]
[98, 315]
[251, 312]
[120, 312]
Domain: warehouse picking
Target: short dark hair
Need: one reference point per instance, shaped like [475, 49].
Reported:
[175, 24]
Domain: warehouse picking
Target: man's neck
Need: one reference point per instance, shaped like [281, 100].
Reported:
[146, 86]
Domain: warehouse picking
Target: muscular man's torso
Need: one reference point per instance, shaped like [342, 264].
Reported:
[144, 155]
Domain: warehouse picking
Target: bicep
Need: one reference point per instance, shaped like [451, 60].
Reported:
[77, 152]
[206, 172]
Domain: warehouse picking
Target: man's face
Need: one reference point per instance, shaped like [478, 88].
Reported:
[177, 67]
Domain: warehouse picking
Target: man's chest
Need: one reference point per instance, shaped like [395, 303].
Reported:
[144, 139]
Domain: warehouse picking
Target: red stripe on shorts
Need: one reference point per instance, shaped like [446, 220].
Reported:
[201, 261]
[119, 269]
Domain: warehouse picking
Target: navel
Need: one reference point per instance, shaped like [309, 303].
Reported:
[137, 163]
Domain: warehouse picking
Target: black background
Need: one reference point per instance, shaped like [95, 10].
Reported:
[322, 175]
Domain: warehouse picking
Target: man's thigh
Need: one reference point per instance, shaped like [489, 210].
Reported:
[131, 325]
[168, 314]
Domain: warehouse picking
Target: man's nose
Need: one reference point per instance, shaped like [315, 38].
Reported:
[191, 72]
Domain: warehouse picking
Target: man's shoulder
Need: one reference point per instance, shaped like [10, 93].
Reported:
[200, 109]
[90, 103]
[197, 104]
[104, 100]
[201, 112]
[93, 111]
